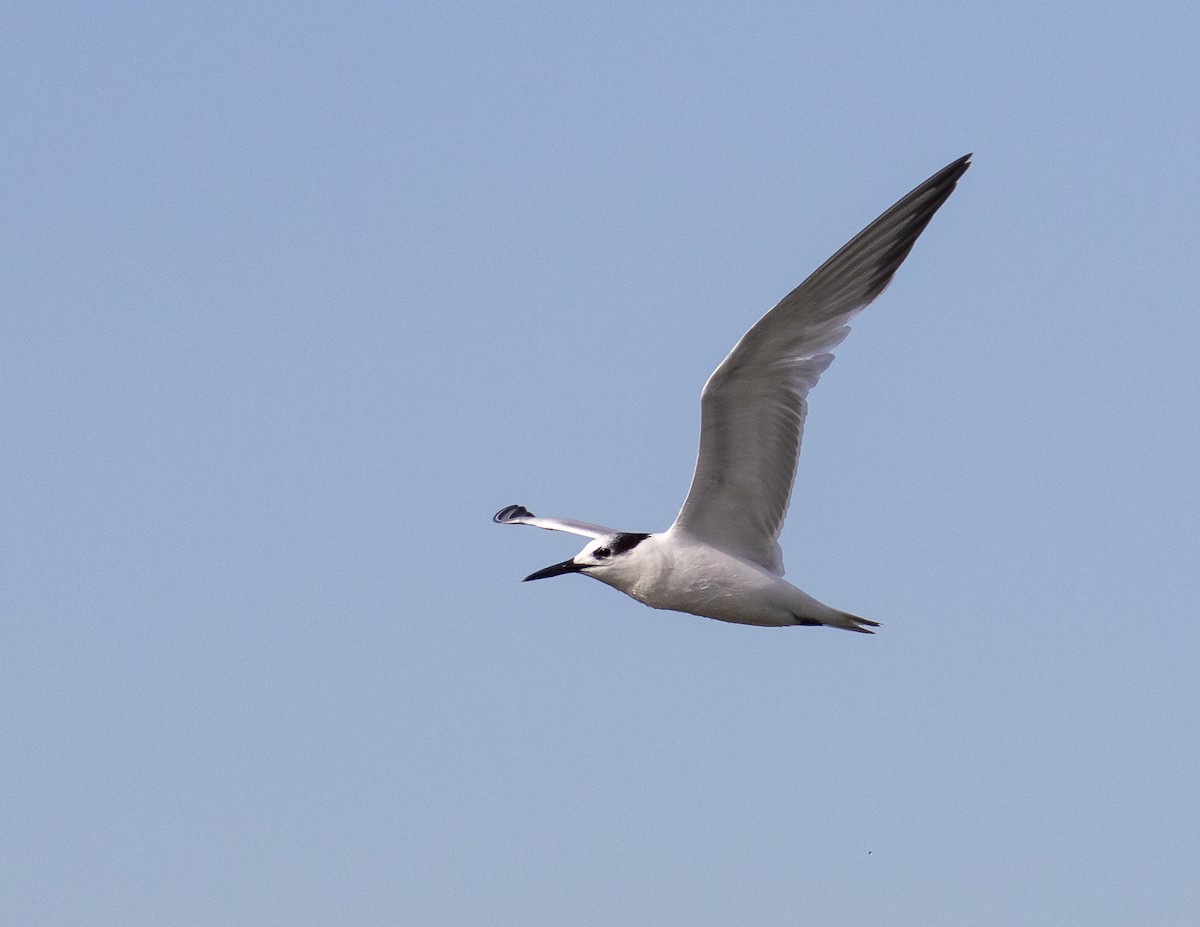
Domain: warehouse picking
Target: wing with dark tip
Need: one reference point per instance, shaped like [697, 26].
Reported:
[754, 404]
[519, 515]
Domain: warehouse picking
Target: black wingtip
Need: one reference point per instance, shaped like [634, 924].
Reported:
[920, 204]
[509, 512]
[941, 185]
[945, 179]
[962, 164]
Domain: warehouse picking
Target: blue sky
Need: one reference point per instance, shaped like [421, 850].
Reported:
[296, 296]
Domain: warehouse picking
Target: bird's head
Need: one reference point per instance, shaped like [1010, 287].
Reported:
[612, 560]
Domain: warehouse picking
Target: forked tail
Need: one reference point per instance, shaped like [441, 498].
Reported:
[843, 620]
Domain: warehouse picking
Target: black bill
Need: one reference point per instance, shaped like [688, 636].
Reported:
[567, 566]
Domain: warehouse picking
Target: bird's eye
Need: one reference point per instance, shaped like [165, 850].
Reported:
[602, 552]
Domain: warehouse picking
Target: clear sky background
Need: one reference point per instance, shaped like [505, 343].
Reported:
[295, 296]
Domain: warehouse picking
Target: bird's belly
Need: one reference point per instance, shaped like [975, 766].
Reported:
[723, 588]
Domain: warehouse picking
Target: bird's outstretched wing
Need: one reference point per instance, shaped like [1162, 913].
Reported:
[519, 515]
[753, 406]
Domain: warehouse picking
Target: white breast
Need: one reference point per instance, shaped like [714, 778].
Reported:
[679, 573]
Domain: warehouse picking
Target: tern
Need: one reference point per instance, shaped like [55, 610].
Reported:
[721, 558]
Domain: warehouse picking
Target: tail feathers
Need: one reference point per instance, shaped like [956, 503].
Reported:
[854, 623]
[843, 620]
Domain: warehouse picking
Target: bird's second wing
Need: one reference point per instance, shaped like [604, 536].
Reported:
[519, 515]
[753, 406]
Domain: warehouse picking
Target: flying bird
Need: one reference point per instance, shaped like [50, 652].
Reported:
[721, 557]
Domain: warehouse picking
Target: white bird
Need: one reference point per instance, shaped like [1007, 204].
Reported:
[721, 557]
